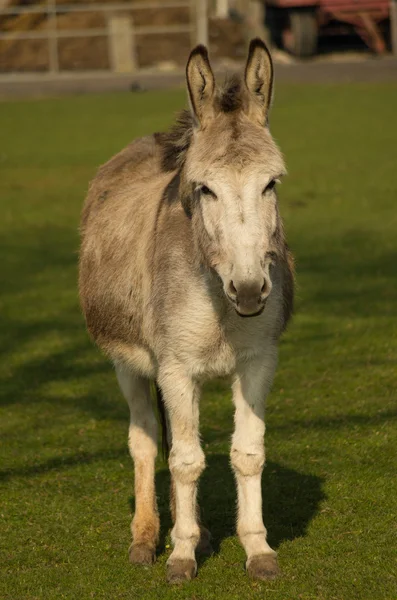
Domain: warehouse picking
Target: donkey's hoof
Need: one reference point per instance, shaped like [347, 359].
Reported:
[141, 554]
[263, 566]
[180, 570]
[204, 546]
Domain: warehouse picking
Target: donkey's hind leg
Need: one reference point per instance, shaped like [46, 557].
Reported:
[142, 442]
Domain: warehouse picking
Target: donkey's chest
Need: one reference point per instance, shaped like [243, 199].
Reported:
[210, 348]
[214, 357]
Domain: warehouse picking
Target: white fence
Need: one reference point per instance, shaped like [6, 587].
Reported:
[120, 31]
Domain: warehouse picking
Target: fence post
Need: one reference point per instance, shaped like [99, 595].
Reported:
[393, 25]
[52, 36]
[121, 40]
[222, 9]
[255, 20]
[202, 22]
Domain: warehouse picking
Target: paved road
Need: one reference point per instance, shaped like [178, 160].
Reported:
[362, 70]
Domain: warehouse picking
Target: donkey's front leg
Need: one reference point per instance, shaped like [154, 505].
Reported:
[250, 387]
[186, 461]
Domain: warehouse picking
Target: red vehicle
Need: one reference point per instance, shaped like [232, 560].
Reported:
[297, 24]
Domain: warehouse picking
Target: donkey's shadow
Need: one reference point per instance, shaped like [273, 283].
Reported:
[290, 501]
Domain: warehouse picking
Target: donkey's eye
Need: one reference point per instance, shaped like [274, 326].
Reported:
[203, 189]
[270, 186]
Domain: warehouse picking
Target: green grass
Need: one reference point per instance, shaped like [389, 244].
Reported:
[329, 485]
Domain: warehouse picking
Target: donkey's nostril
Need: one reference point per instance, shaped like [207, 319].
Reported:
[232, 289]
[264, 287]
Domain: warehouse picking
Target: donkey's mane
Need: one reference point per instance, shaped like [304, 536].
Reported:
[175, 142]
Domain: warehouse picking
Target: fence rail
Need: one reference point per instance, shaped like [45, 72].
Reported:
[120, 30]
[92, 7]
[93, 32]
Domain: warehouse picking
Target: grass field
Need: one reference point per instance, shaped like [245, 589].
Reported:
[329, 485]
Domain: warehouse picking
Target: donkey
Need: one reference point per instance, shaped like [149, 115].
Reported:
[182, 241]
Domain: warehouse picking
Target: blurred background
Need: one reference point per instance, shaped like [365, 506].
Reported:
[78, 82]
[92, 45]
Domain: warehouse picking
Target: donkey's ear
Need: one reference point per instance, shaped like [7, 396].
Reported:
[200, 85]
[259, 81]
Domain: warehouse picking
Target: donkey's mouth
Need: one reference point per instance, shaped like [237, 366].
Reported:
[249, 315]
[248, 309]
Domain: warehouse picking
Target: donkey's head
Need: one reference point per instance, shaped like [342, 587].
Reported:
[229, 177]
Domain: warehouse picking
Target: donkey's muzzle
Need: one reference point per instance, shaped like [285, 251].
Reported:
[248, 298]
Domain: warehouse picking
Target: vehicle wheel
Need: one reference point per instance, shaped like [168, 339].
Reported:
[301, 32]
